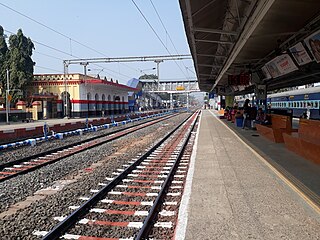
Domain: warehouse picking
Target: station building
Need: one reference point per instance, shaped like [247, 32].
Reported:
[77, 95]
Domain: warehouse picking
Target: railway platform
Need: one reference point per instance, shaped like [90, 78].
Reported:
[20, 130]
[242, 186]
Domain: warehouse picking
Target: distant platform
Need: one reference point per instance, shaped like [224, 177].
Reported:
[23, 130]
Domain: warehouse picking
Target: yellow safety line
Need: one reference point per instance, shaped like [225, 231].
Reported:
[279, 174]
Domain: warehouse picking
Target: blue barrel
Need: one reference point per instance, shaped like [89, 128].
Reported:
[239, 122]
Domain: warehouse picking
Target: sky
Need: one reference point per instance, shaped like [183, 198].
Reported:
[108, 28]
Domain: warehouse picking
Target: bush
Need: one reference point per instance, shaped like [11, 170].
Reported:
[14, 118]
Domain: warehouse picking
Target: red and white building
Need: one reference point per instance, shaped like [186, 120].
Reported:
[77, 95]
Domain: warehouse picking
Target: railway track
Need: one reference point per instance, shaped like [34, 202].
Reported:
[24, 165]
[128, 205]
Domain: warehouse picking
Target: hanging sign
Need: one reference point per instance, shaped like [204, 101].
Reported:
[281, 65]
[239, 80]
[300, 54]
[266, 73]
[313, 43]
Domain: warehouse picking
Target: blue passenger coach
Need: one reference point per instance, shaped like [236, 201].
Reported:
[297, 101]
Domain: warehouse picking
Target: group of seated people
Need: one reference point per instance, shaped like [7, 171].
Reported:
[249, 114]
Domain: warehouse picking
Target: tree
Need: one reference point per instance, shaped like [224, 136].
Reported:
[3, 59]
[148, 76]
[20, 62]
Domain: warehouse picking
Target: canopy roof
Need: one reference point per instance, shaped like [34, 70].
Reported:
[229, 37]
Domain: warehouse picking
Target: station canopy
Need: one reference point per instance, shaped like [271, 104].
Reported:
[236, 44]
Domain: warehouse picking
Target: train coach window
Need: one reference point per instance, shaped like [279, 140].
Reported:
[295, 104]
[316, 104]
[304, 104]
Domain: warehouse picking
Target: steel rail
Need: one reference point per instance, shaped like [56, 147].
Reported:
[125, 131]
[8, 164]
[71, 220]
[149, 221]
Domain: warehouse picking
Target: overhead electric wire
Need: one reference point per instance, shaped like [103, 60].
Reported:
[55, 49]
[47, 55]
[46, 68]
[45, 45]
[61, 34]
[155, 32]
[167, 33]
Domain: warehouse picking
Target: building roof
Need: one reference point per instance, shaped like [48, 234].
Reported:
[76, 79]
[133, 82]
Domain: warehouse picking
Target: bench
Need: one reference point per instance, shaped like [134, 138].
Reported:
[279, 124]
[305, 142]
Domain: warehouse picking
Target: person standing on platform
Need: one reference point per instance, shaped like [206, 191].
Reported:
[308, 110]
[246, 112]
[46, 130]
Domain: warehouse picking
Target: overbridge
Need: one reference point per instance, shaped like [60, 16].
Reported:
[152, 85]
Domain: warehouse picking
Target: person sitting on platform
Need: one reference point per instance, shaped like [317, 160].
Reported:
[261, 117]
[304, 115]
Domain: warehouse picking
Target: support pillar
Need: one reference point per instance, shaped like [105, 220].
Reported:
[45, 112]
[187, 101]
[35, 109]
[261, 96]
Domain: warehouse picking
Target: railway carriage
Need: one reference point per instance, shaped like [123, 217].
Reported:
[297, 101]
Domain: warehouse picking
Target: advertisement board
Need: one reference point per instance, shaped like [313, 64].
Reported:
[313, 43]
[281, 65]
[266, 73]
[300, 54]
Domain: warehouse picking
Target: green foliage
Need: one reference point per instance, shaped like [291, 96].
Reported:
[148, 76]
[16, 58]
[3, 58]
[20, 61]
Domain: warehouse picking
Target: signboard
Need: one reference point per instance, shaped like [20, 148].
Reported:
[266, 73]
[281, 65]
[300, 54]
[235, 88]
[180, 88]
[240, 79]
[313, 43]
[261, 92]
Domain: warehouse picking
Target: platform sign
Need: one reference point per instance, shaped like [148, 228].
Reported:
[261, 92]
[313, 43]
[180, 88]
[266, 73]
[211, 95]
[239, 79]
[300, 54]
[281, 65]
